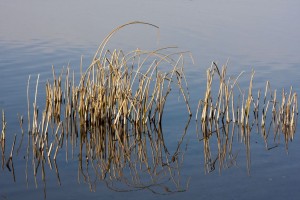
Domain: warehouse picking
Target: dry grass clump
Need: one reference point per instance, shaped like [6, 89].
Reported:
[114, 114]
[229, 113]
[130, 87]
[2, 139]
[112, 119]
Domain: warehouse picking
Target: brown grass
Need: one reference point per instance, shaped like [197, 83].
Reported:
[222, 118]
[114, 114]
[113, 119]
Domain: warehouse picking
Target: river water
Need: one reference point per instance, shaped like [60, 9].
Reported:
[260, 35]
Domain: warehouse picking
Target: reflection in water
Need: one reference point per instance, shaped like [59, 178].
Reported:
[130, 156]
[112, 122]
[222, 118]
[137, 163]
[7, 162]
[3, 138]
[134, 164]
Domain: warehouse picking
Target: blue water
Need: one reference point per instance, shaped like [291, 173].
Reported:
[259, 35]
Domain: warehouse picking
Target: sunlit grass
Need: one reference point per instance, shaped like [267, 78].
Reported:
[111, 119]
[231, 111]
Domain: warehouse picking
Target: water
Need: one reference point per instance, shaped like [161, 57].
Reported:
[262, 35]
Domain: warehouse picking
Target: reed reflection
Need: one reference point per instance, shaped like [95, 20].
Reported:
[125, 160]
[112, 120]
[230, 113]
[139, 160]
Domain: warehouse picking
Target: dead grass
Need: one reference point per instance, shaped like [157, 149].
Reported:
[113, 119]
[222, 117]
[114, 115]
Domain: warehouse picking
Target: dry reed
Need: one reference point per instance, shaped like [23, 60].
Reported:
[219, 116]
[2, 140]
[114, 114]
[113, 119]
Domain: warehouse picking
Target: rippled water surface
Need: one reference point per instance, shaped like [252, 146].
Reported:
[259, 35]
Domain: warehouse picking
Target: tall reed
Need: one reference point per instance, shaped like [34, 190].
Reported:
[114, 115]
[220, 114]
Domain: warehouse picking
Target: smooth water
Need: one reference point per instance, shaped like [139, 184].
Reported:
[259, 35]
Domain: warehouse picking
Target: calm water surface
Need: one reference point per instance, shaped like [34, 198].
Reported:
[259, 35]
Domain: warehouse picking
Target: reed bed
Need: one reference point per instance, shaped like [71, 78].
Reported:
[111, 120]
[233, 112]
[114, 115]
[111, 144]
